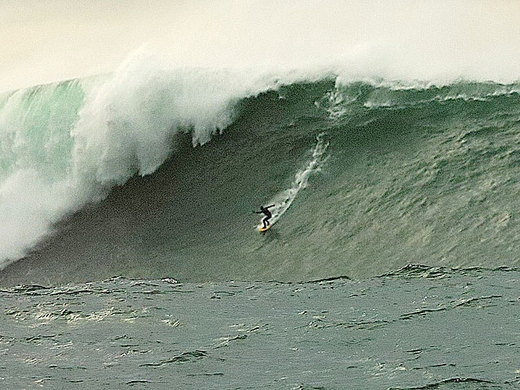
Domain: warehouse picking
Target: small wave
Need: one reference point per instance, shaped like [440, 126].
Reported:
[448, 382]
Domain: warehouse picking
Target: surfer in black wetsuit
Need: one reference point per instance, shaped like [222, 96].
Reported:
[268, 215]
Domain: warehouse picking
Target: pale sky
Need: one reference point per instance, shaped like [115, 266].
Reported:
[49, 40]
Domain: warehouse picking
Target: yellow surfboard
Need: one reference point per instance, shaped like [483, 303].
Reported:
[264, 229]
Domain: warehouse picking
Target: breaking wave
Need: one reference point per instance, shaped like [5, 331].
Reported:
[99, 177]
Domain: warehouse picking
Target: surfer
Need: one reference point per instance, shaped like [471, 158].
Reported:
[268, 215]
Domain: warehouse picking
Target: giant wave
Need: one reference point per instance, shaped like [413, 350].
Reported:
[99, 177]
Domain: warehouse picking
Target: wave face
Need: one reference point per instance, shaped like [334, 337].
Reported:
[100, 177]
[66, 145]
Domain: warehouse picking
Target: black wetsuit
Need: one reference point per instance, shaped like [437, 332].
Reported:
[268, 215]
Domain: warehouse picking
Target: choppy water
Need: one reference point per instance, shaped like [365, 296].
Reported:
[417, 328]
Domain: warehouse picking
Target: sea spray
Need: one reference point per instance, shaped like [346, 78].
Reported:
[65, 145]
[283, 200]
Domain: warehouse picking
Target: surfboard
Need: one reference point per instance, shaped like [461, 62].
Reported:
[264, 229]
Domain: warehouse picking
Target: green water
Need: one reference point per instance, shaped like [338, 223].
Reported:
[405, 175]
[424, 175]
[418, 328]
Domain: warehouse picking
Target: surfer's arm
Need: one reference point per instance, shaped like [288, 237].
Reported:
[270, 206]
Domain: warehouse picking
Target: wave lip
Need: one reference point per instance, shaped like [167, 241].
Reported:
[65, 145]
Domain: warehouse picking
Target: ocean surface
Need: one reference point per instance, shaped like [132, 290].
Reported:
[417, 328]
[131, 257]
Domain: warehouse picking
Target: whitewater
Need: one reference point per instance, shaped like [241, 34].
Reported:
[99, 176]
[386, 135]
[283, 200]
[66, 145]
[71, 142]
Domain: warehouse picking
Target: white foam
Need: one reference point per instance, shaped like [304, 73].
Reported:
[125, 126]
[394, 39]
[284, 199]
